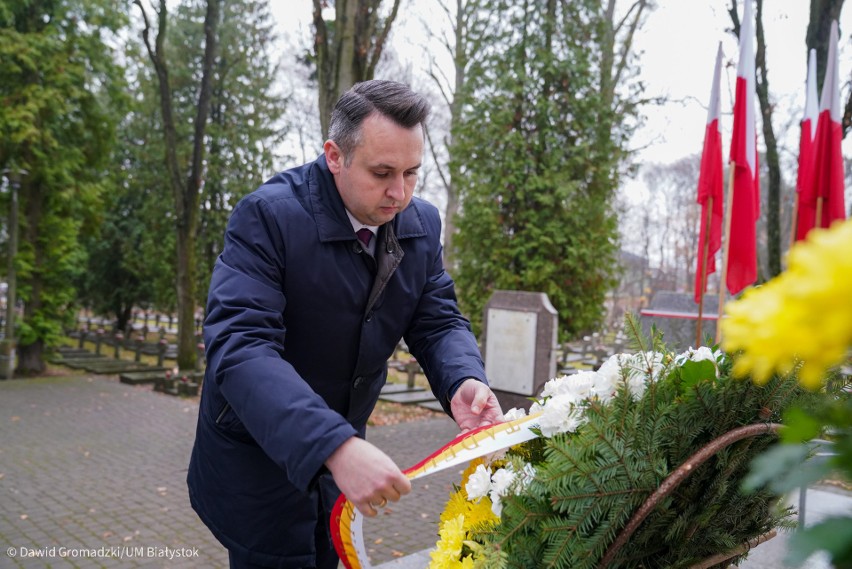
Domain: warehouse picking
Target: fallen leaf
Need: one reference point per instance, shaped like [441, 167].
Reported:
[106, 534]
[24, 516]
[378, 541]
[396, 553]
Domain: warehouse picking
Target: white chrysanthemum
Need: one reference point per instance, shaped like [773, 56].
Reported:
[479, 483]
[611, 368]
[700, 354]
[514, 413]
[647, 365]
[637, 385]
[496, 504]
[502, 480]
[583, 383]
[560, 415]
[556, 386]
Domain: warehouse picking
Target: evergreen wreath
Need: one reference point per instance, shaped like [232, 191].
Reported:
[678, 428]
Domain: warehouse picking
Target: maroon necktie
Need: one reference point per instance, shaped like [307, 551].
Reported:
[364, 236]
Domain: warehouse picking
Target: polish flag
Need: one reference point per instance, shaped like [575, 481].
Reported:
[710, 187]
[745, 204]
[825, 193]
[806, 213]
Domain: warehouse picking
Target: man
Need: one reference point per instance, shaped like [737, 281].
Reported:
[303, 314]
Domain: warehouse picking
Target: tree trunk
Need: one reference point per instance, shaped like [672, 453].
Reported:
[350, 52]
[186, 193]
[31, 356]
[773, 194]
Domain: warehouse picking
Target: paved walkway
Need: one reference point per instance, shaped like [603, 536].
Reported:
[92, 474]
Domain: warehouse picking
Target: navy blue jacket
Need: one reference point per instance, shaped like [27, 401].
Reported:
[300, 325]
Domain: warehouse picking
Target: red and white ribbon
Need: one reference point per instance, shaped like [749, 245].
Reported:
[347, 521]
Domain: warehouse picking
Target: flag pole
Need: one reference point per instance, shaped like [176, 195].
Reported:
[818, 217]
[723, 276]
[795, 223]
[705, 253]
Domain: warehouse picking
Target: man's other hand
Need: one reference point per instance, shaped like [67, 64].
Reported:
[475, 405]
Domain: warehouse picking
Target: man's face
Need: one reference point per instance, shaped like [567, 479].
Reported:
[379, 181]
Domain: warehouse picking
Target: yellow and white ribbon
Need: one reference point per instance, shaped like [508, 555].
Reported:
[347, 521]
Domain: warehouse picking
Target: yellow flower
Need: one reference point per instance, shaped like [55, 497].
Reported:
[480, 513]
[448, 550]
[456, 506]
[803, 315]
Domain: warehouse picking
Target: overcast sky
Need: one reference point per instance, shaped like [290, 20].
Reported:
[678, 48]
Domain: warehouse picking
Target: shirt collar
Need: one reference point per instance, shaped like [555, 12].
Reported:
[356, 225]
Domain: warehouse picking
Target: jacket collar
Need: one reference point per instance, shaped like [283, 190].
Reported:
[330, 214]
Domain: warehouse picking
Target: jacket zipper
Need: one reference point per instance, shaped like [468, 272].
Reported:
[222, 412]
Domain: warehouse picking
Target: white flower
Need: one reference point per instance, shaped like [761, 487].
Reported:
[610, 370]
[556, 386]
[583, 383]
[701, 354]
[561, 414]
[502, 480]
[636, 384]
[514, 413]
[527, 474]
[496, 504]
[479, 483]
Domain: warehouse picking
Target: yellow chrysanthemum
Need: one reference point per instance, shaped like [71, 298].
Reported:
[479, 512]
[457, 505]
[447, 551]
[804, 314]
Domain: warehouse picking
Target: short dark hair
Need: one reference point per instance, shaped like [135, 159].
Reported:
[394, 100]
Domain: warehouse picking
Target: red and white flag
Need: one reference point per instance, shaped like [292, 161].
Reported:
[745, 205]
[710, 187]
[825, 193]
[805, 212]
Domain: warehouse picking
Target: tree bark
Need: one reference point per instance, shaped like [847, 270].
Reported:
[186, 191]
[31, 356]
[350, 52]
[773, 194]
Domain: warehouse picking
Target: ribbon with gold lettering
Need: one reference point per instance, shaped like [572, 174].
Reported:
[347, 521]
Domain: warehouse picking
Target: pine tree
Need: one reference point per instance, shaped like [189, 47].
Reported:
[538, 150]
[62, 91]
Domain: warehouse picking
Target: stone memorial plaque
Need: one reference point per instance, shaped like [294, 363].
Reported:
[511, 345]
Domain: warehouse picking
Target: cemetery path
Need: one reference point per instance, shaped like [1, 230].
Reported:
[92, 474]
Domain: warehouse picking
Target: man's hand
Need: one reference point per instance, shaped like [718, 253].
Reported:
[367, 476]
[475, 405]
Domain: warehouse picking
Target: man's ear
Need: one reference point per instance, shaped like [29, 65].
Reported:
[333, 156]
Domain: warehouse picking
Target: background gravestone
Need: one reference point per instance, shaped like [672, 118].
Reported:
[520, 345]
[675, 314]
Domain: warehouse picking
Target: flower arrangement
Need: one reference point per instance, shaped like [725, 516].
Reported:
[802, 321]
[609, 439]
